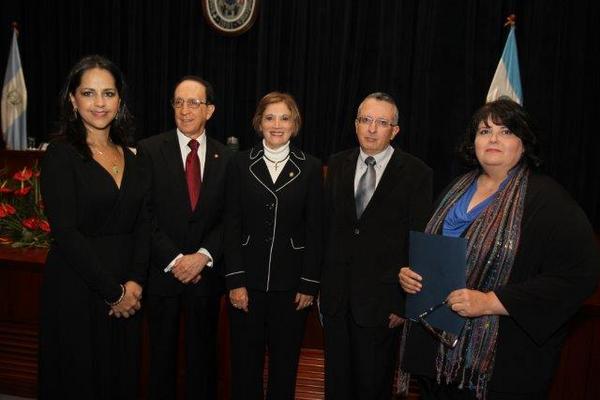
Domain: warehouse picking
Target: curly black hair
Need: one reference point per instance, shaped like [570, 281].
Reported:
[503, 111]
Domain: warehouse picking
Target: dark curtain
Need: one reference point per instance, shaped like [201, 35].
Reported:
[436, 57]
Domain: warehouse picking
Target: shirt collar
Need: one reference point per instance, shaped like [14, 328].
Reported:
[184, 140]
[378, 157]
[279, 154]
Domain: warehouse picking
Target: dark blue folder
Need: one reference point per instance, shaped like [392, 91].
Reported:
[441, 262]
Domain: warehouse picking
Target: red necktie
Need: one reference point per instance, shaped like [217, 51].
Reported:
[193, 174]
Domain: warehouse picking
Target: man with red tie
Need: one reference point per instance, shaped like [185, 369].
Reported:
[186, 201]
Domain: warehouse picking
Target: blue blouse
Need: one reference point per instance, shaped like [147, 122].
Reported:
[458, 218]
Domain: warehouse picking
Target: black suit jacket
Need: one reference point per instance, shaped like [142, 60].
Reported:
[176, 229]
[274, 230]
[365, 255]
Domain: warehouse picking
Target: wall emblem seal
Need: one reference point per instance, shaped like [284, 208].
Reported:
[230, 17]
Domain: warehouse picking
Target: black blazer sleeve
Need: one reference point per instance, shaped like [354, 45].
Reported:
[313, 215]
[60, 198]
[235, 273]
[164, 250]
[421, 200]
[143, 231]
[549, 289]
[213, 240]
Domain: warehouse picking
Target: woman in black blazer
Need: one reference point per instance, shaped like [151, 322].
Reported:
[273, 251]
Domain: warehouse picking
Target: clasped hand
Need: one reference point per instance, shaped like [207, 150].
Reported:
[130, 303]
[187, 269]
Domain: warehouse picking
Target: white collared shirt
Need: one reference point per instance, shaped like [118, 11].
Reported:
[185, 149]
[381, 161]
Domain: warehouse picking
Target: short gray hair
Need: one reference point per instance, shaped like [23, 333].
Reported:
[381, 96]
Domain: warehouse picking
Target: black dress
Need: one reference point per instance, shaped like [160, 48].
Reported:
[100, 240]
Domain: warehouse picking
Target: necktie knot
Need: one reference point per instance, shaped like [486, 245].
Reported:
[370, 161]
[193, 144]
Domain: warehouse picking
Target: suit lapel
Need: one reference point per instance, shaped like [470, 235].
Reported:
[212, 163]
[258, 168]
[173, 161]
[347, 186]
[388, 180]
[291, 171]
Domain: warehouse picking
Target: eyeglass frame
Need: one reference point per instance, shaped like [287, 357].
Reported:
[367, 120]
[446, 338]
[191, 103]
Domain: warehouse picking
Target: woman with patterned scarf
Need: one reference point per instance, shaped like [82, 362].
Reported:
[531, 262]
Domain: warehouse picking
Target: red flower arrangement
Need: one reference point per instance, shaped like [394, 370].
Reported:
[22, 220]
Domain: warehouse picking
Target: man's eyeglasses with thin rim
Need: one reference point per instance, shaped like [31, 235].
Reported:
[379, 122]
[191, 103]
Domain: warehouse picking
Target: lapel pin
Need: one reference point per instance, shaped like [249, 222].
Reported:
[291, 174]
[216, 155]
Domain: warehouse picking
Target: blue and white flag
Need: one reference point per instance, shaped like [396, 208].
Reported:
[507, 79]
[14, 101]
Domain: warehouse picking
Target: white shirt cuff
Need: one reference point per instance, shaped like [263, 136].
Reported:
[207, 254]
[172, 263]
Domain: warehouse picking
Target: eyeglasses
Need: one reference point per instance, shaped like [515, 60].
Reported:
[191, 103]
[379, 122]
[446, 338]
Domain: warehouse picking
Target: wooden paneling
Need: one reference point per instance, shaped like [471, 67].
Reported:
[16, 160]
[577, 377]
[20, 282]
[18, 359]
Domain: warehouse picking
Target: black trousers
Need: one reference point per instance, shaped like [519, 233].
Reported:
[431, 390]
[271, 323]
[201, 318]
[359, 361]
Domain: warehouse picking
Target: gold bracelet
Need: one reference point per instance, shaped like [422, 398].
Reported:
[119, 299]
